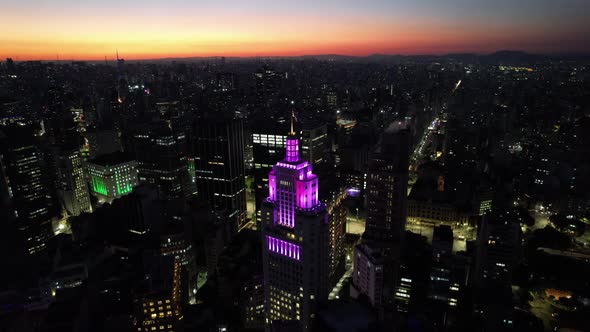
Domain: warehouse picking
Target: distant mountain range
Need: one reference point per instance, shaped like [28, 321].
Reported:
[499, 57]
[504, 56]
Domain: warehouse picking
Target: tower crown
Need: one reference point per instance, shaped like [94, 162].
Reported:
[292, 184]
[292, 144]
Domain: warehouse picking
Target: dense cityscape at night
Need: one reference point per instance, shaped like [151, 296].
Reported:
[244, 185]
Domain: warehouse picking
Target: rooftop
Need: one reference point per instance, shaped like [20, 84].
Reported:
[114, 158]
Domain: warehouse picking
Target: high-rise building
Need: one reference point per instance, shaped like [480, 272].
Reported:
[112, 176]
[314, 143]
[268, 147]
[296, 249]
[267, 83]
[440, 272]
[160, 308]
[218, 144]
[387, 184]
[386, 199]
[253, 302]
[71, 182]
[333, 195]
[173, 242]
[161, 154]
[497, 253]
[22, 166]
[498, 245]
[367, 278]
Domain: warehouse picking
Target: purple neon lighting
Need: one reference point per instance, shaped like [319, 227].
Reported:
[298, 166]
[272, 186]
[292, 185]
[307, 196]
[286, 211]
[292, 154]
[284, 248]
[354, 192]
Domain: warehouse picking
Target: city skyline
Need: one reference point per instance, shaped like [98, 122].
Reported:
[295, 166]
[150, 30]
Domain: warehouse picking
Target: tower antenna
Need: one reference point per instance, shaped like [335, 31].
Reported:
[292, 120]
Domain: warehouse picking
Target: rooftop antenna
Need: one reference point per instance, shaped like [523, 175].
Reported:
[292, 120]
[119, 99]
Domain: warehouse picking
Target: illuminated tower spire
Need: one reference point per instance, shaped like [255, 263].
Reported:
[292, 144]
[292, 133]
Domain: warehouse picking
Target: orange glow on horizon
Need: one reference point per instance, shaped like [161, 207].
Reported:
[92, 37]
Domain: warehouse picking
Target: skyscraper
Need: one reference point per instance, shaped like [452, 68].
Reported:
[218, 143]
[368, 273]
[386, 195]
[22, 165]
[268, 147]
[387, 185]
[71, 182]
[161, 154]
[497, 256]
[267, 83]
[296, 250]
[314, 139]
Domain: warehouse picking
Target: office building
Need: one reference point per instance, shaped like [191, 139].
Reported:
[72, 188]
[268, 147]
[25, 184]
[367, 278]
[267, 82]
[314, 142]
[386, 199]
[161, 155]
[387, 183]
[296, 243]
[497, 255]
[218, 145]
[440, 272]
[498, 243]
[174, 242]
[112, 176]
[333, 195]
[160, 308]
[253, 302]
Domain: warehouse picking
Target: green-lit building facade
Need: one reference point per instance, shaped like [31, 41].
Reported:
[112, 176]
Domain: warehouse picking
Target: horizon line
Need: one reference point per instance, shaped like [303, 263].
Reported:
[188, 57]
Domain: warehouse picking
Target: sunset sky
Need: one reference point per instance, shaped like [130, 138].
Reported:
[93, 29]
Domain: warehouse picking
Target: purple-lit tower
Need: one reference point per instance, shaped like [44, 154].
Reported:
[295, 232]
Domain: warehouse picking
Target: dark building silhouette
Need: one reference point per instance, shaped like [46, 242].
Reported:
[387, 183]
[386, 197]
[23, 167]
[218, 147]
[161, 155]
